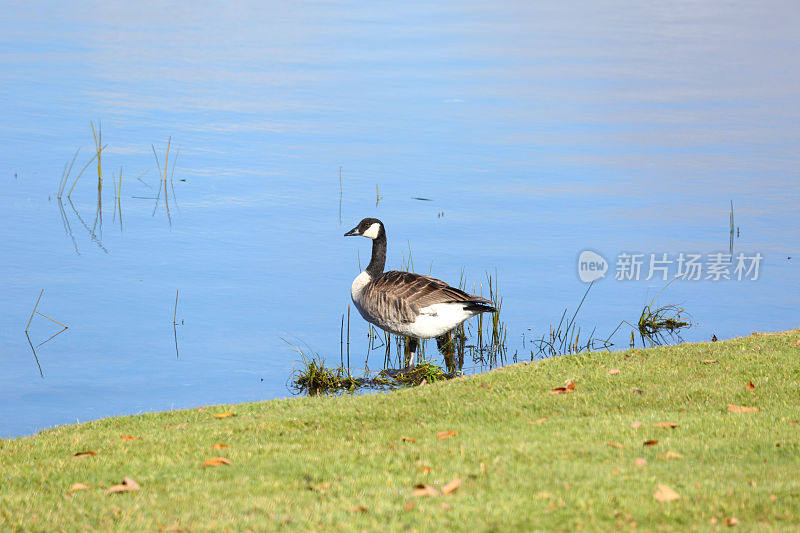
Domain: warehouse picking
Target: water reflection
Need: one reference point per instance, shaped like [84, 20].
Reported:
[34, 313]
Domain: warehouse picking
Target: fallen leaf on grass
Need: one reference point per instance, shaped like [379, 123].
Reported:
[670, 455]
[636, 391]
[224, 415]
[408, 439]
[641, 461]
[613, 371]
[709, 361]
[446, 434]
[127, 485]
[410, 505]
[78, 486]
[217, 461]
[614, 444]
[569, 387]
[358, 509]
[180, 426]
[424, 469]
[652, 442]
[127, 437]
[730, 522]
[424, 490]
[750, 385]
[636, 424]
[218, 446]
[797, 342]
[446, 506]
[539, 421]
[665, 494]
[84, 454]
[451, 487]
[741, 409]
[666, 425]
[773, 497]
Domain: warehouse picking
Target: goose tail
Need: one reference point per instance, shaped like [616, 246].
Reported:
[479, 305]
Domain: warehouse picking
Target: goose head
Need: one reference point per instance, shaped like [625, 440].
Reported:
[371, 228]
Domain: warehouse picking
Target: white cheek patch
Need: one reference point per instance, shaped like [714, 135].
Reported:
[372, 231]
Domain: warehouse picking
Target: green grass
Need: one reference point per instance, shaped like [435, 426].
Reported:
[309, 463]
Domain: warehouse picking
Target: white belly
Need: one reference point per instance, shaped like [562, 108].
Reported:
[434, 320]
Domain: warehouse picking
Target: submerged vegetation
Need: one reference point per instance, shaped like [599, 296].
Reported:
[565, 337]
[95, 230]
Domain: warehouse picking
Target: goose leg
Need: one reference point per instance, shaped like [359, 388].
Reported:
[412, 348]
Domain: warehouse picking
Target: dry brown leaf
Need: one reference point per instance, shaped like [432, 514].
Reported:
[410, 505]
[78, 486]
[127, 485]
[773, 497]
[666, 425]
[665, 494]
[446, 506]
[424, 469]
[451, 487]
[614, 444]
[651, 442]
[218, 446]
[569, 387]
[730, 522]
[613, 371]
[87, 453]
[180, 426]
[741, 409]
[224, 415]
[127, 437]
[670, 455]
[424, 490]
[446, 434]
[319, 487]
[797, 342]
[539, 421]
[641, 461]
[794, 422]
[750, 385]
[217, 461]
[358, 509]
[408, 439]
[636, 424]
[707, 361]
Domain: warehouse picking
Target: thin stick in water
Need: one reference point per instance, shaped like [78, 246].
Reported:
[34, 310]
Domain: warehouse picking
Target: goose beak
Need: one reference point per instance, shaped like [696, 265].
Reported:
[352, 232]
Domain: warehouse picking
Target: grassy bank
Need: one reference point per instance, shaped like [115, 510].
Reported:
[527, 458]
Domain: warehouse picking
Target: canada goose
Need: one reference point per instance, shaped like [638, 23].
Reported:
[404, 303]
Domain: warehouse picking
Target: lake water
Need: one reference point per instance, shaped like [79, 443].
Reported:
[535, 132]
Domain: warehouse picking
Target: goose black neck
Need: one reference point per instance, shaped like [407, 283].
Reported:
[376, 264]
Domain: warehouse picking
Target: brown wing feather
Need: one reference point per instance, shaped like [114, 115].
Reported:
[399, 296]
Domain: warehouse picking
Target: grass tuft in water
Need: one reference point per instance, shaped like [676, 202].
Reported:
[565, 337]
[658, 325]
[315, 378]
